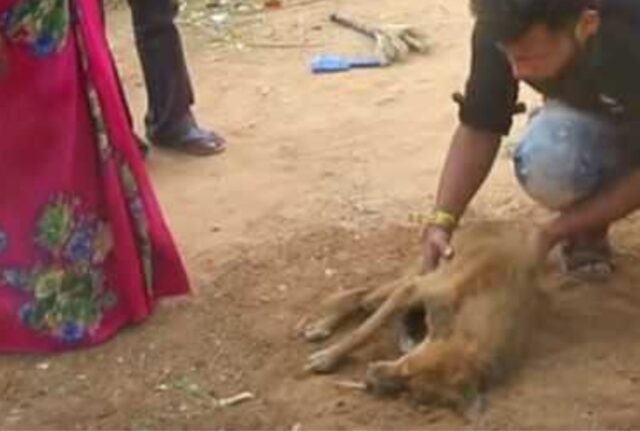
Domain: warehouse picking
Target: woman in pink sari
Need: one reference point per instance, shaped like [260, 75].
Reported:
[84, 249]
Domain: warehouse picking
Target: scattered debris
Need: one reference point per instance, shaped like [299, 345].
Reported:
[299, 327]
[264, 298]
[186, 386]
[333, 63]
[283, 288]
[272, 4]
[350, 384]
[329, 272]
[236, 22]
[393, 43]
[236, 399]
[43, 366]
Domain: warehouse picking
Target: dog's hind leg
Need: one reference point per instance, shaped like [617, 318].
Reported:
[376, 297]
[325, 360]
[436, 300]
[448, 286]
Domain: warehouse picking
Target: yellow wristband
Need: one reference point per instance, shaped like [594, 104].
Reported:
[443, 219]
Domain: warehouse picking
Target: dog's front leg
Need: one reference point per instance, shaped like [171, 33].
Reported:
[389, 377]
[339, 306]
[431, 357]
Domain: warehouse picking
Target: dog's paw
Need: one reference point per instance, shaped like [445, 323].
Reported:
[316, 332]
[382, 380]
[322, 362]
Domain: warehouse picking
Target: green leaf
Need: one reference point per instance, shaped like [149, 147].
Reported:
[55, 225]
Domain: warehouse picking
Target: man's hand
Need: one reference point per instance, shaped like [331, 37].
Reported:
[616, 201]
[436, 246]
[4, 57]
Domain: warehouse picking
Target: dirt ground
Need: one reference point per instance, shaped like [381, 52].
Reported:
[313, 195]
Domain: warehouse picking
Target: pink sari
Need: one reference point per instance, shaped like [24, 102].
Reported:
[84, 249]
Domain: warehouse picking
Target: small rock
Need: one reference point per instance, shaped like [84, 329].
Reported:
[243, 8]
[43, 366]
[219, 18]
[386, 100]
[283, 288]
[265, 91]
[273, 4]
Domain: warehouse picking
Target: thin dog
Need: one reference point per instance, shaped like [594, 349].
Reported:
[480, 308]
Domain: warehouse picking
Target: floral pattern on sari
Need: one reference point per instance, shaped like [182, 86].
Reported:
[136, 209]
[66, 287]
[127, 179]
[86, 250]
[42, 25]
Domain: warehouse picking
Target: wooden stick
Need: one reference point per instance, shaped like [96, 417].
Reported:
[352, 24]
[350, 384]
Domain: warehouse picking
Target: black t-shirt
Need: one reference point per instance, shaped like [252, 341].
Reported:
[604, 79]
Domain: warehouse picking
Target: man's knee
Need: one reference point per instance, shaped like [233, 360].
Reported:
[566, 155]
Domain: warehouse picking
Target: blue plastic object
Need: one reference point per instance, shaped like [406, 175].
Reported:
[335, 63]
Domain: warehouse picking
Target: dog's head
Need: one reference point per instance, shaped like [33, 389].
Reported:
[462, 394]
[449, 379]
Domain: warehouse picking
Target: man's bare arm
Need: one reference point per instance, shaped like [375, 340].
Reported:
[471, 156]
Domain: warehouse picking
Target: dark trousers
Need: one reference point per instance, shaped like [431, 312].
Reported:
[169, 90]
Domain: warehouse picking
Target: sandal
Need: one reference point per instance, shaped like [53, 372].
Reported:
[589, 262]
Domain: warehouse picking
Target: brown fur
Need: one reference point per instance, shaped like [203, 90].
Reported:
[481, 306]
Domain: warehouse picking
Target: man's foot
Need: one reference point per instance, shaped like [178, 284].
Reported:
[588, 261]
[192, 140]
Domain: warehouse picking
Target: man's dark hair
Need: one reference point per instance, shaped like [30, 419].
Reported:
[509, 19]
